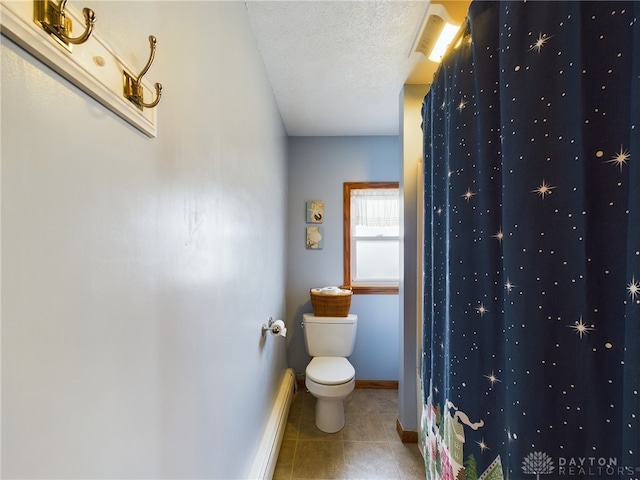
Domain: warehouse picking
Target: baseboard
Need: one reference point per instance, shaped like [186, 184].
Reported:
[406, 436]
[380, 384]
[267, 455]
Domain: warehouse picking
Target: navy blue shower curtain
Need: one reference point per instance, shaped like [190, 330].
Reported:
[531, 366]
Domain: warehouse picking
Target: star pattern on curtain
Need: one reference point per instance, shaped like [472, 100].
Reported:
[532, 308]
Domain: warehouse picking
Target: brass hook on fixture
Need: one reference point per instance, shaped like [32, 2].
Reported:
[53, 19]
[133, 89]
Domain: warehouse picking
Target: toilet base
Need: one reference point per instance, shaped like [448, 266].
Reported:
[329, 415]
[329, 404]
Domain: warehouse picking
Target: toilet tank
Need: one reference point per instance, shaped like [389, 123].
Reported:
[329, 336]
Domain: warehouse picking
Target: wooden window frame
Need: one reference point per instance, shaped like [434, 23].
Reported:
[346, 226]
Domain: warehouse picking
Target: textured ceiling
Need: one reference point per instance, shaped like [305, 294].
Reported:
[338, 67]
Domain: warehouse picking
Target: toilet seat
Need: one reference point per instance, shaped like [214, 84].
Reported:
[330, 370]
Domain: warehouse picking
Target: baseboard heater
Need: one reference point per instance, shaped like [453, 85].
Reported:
[267, 455]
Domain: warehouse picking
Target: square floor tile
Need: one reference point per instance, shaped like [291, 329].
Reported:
[370, 460]
[284, 466]
[364, 427]
[319, 459]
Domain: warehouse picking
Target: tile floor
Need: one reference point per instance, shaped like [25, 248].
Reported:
[368, 447]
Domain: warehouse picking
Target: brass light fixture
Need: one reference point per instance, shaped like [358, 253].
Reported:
[53, 19]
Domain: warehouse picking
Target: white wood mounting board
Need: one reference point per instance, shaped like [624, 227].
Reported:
[100, 79]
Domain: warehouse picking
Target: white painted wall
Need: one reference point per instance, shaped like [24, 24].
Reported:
[136, 272]
[318, 167]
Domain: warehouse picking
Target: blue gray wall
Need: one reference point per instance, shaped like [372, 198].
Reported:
[318, 167]
[136, 272]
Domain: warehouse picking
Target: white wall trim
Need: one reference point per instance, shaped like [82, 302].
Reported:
[267, 455]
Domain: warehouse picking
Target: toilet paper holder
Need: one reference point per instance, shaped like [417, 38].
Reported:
[276, 327]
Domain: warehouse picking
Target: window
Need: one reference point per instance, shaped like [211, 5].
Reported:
[372, 237]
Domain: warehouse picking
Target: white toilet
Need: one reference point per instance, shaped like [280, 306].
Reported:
[329, 376]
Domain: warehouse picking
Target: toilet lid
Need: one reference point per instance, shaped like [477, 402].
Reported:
[330, 370]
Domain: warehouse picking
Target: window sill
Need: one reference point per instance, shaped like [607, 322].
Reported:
[373, 290]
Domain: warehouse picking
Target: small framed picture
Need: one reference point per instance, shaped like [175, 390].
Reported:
[315, 211]
[315, 239]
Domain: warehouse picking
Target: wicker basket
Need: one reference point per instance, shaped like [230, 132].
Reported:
[336, 305]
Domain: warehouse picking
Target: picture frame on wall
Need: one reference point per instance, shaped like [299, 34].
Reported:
[315, 211]
[315, 238]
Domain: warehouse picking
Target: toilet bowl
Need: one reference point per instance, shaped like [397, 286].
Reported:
[330, 380]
